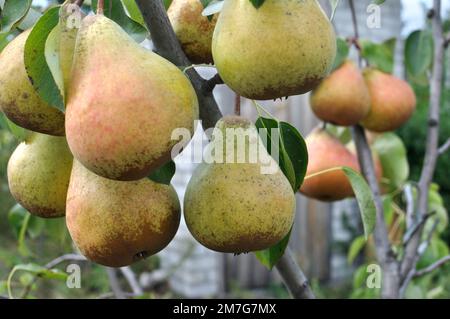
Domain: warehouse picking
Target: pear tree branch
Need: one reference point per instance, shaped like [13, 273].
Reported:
[444, 148]
[432, 267]
[432, 143]
[382, 244]
[168, 46]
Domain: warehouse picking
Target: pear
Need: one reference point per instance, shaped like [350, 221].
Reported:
[393, 101]
[115, 223]
[343, 97]
[325, 153]
[18, 98]
[39, 173]
[282, 48]
[123, 103]
[193, 30]
[234, 206]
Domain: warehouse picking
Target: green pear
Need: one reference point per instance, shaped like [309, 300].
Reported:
[193, 30]
[115, 223]
[343, 97]
[39, 173]
[393, 101]
[283, 48]
[124, 103]
[233, 205]
[18, 98]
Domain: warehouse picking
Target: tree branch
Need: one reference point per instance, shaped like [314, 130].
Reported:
[130, 276]
[444, 148]
[293, 277]
[432, 267]
[432, 144]
[114, 283]
[168, 46]
[55, 262]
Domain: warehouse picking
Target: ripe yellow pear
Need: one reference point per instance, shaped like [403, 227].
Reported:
[232, 206]
[343, 97]
[123, 103]
[115, 223]
[393, 102]
[325, 153]
[282, 48]
[18, 98]
[39, 173]
[193, 30]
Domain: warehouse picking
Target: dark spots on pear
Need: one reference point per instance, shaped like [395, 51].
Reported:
[31, 80]
[25, 95]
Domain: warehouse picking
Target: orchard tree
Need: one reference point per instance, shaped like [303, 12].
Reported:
[96, 114]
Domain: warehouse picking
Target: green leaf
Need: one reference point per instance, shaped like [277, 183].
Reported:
[116, 12]
[35, 59]
[419, 50]
[270, 257]
[355, 248]
[380, 56]
[13, 12]
[343, 50]
[4, 40]
[292, 152]
[295, 152]
[167, 3]
[133, 11]
[392, 153]
[365, 200]
[20, 133]
[164, 174]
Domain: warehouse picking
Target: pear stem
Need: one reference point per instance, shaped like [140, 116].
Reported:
[237, 105]
[334, 169]
[100, 6]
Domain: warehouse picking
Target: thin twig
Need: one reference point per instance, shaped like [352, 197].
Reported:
[293, 277]
[419, 254]
[432, 143]
[412, 231]
[432, 267]
[210, 84]
[114, 283]
[100, 6]
[130, 276]
[383, 248]
[444, 148]
[237, 105]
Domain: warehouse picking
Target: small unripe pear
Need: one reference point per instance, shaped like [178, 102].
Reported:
[342, 98]
[393, 102]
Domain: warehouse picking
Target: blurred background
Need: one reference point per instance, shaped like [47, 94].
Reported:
[322, 235]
